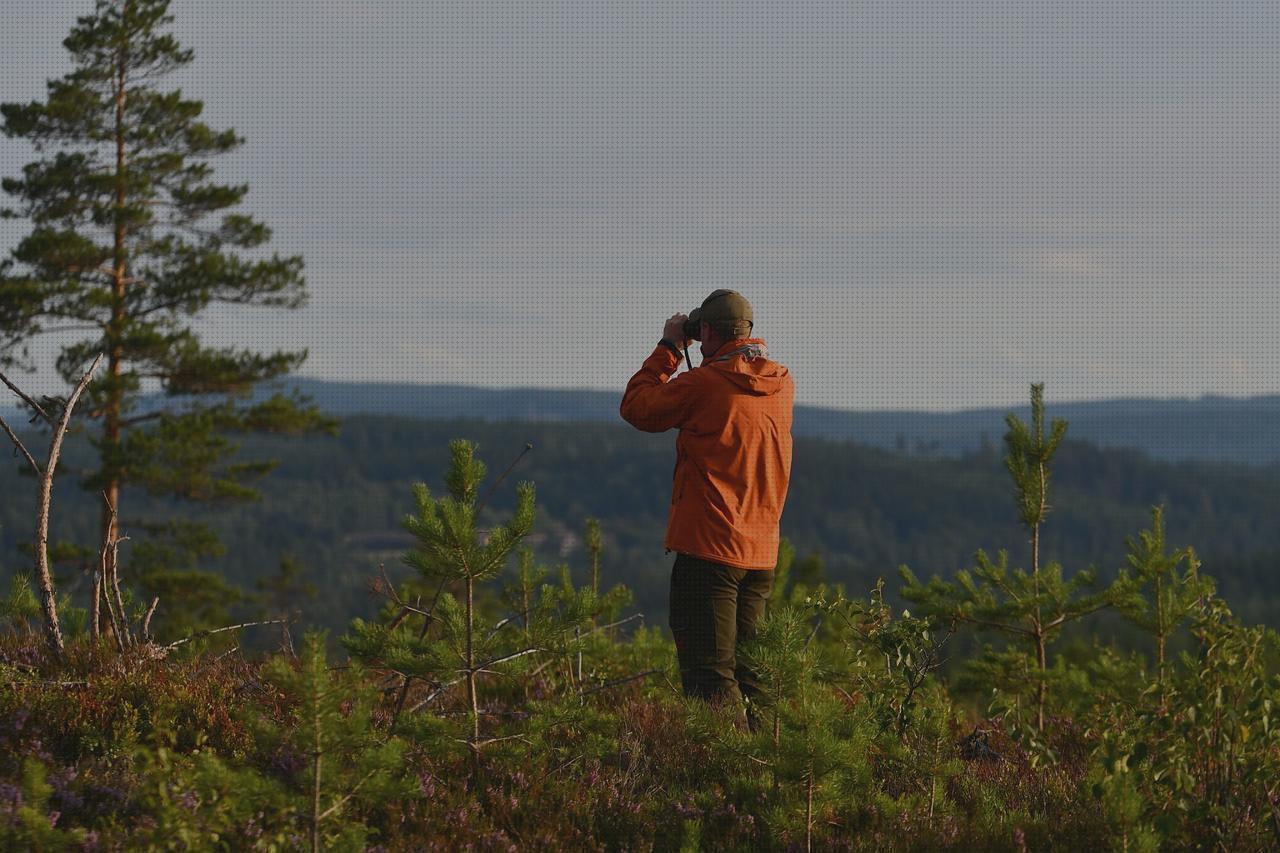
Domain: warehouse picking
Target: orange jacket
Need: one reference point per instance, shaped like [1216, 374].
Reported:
[733, 454]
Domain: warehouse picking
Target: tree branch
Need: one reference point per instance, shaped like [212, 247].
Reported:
[198, 635]
[999, 626]
[48, 600]
[146, 620]
[618, 682]
[32, 403]
[439, 691]
[17, 442]
[342, 802]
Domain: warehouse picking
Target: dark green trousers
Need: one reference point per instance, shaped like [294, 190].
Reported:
[713, 606]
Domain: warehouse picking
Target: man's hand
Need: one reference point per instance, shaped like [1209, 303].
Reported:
[674, 330]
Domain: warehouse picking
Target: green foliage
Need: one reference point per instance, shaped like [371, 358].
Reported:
[449, 547]
[856, 741]
[1201, 751]
[1029, 608]
[349, 762]
[1171, 598]
[890, 659]
[812, 744]
[20, 609]
[449, 644]
[121, 246]
[198, 799]
[1029, 453]
[25, 822]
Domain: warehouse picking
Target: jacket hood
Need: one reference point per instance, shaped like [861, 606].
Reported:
[745, 363]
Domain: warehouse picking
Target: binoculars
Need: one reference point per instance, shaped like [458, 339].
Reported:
[693, 329]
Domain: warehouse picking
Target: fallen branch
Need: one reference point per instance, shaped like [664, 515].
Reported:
[483, 743]
[199, 635]
[618, 682]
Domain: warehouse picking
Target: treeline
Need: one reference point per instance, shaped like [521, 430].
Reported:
[333, 508]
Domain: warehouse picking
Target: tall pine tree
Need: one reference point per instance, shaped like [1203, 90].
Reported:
[131, 240]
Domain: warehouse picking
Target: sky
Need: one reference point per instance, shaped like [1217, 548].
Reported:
[929, 205]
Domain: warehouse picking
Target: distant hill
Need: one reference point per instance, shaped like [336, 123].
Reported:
[1210, 428]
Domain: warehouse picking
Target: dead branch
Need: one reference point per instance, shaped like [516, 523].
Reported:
[389, 588]
[146, 620]
[408, 679]
[108, 560]
[199, 635]
[95, 612]
[17, 443]
[32, 403]
[48, 601]
[439, 691]
[630, 618]
[343, 801]
[619, 681]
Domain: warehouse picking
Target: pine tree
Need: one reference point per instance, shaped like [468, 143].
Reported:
[813, 745]
[350, 761]
[1029, 607]
[1173, 597]
[451, 551]
[444, 642]
[121, 248]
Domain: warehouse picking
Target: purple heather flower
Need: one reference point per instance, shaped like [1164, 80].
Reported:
[10, 798]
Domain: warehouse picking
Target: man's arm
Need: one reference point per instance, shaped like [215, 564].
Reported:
[651, 402]
[654, 402]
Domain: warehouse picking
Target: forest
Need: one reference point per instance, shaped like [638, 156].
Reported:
[332, 506]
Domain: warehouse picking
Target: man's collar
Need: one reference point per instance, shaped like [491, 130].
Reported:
[750, 347]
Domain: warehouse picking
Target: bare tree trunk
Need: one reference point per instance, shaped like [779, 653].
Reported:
[115, 619]
[48, 598]
[112, 411]
[95, 604]
[111, 580]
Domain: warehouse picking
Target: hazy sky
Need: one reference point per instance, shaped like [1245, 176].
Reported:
[930, 205]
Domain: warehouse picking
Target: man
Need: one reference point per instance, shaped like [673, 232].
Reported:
[733, 464]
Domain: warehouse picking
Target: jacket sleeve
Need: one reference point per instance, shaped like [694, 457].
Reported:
[652, 403]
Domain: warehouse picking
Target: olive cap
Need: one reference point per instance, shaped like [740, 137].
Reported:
[724, 308]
